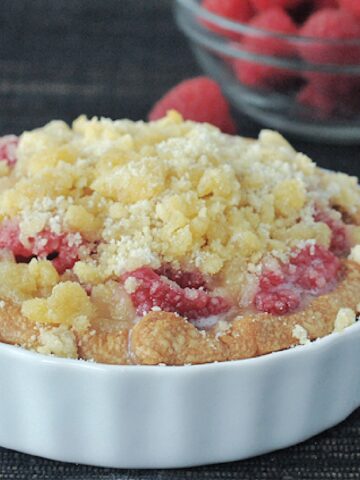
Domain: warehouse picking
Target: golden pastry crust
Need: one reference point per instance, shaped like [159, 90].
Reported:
[167, 338]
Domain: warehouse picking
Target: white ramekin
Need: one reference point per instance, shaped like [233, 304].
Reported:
[159, 417]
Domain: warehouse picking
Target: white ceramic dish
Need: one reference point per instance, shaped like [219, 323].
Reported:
[160, 417]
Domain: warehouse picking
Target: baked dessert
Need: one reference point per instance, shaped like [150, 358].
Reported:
[171, 243]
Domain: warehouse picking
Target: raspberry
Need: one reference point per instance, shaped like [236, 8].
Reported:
[235, 10]
[261, 5]
[279, 302]
[339, 237]
[58, 248]
[316, 268]
[193, 279]
[323, 104]
[321, 4]
[256, 73]
[8, 146]
[270, 279]
[154, 290]
[198, 99]
[9, 240]
[353, 6]
[330, 24]
[310, 271]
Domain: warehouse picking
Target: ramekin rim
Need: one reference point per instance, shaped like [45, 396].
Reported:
[55, 361]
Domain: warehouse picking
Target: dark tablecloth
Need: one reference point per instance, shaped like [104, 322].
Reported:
[60, 58]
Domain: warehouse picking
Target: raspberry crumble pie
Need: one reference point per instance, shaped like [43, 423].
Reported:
[170, 242]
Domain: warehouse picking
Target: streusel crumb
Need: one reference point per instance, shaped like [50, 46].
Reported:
[171, 242]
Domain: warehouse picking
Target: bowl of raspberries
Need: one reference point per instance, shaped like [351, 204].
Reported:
[293, 65]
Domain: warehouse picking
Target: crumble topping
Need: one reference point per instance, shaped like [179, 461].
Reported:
[92, 215]
[344, 318]
[301, 334]
[57, 341]
[355, 254]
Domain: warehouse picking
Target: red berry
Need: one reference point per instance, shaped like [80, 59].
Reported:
[62, 249]
[310, 271]
[278, 302]
[329, 25]
[339, 236]
[316, 269]
[261, 5]
[321, 4]
[322, 104]
[9, 240]
[192, 279]
[8, 146]
[270, 279]
[198, 99]
[154, 290]
[235, 10]
[257, 73]
[353, 6]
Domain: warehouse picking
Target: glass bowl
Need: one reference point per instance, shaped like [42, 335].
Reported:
[310, 87]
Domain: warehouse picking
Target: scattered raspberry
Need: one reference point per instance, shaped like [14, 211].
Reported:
[235, 10]
[353, 6]
[158, 291]
[8, 146]
[9, 240]
[193, 279]
[198, 99]
[60, 249]
[261, 5]
[279, 302]
[316, 269]
[257, 73]
[310, 271]
[330, 24]
[339, 238]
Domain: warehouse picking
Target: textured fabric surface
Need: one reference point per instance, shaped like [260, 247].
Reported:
[115, 58]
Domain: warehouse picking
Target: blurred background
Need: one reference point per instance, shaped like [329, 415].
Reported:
[65, 57]
[114, 58]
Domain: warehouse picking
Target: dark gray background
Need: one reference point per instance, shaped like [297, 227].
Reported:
[60, 58]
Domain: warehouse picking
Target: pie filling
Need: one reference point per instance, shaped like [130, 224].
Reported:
[107, 222]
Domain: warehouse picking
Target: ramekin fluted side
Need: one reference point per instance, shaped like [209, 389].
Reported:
[160, 417]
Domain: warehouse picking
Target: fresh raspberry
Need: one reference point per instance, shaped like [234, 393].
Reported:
[8, 146]
[261, 5]
[353, 6]
[321, 4]
[198, 99]
[154, 290]
[322, 104]
[331, 94]
[339, 236]
[329, 25]
[235, 10]
[278, 302]
[310, 271]
[62, 250]
[316, 269]
[256, 73]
